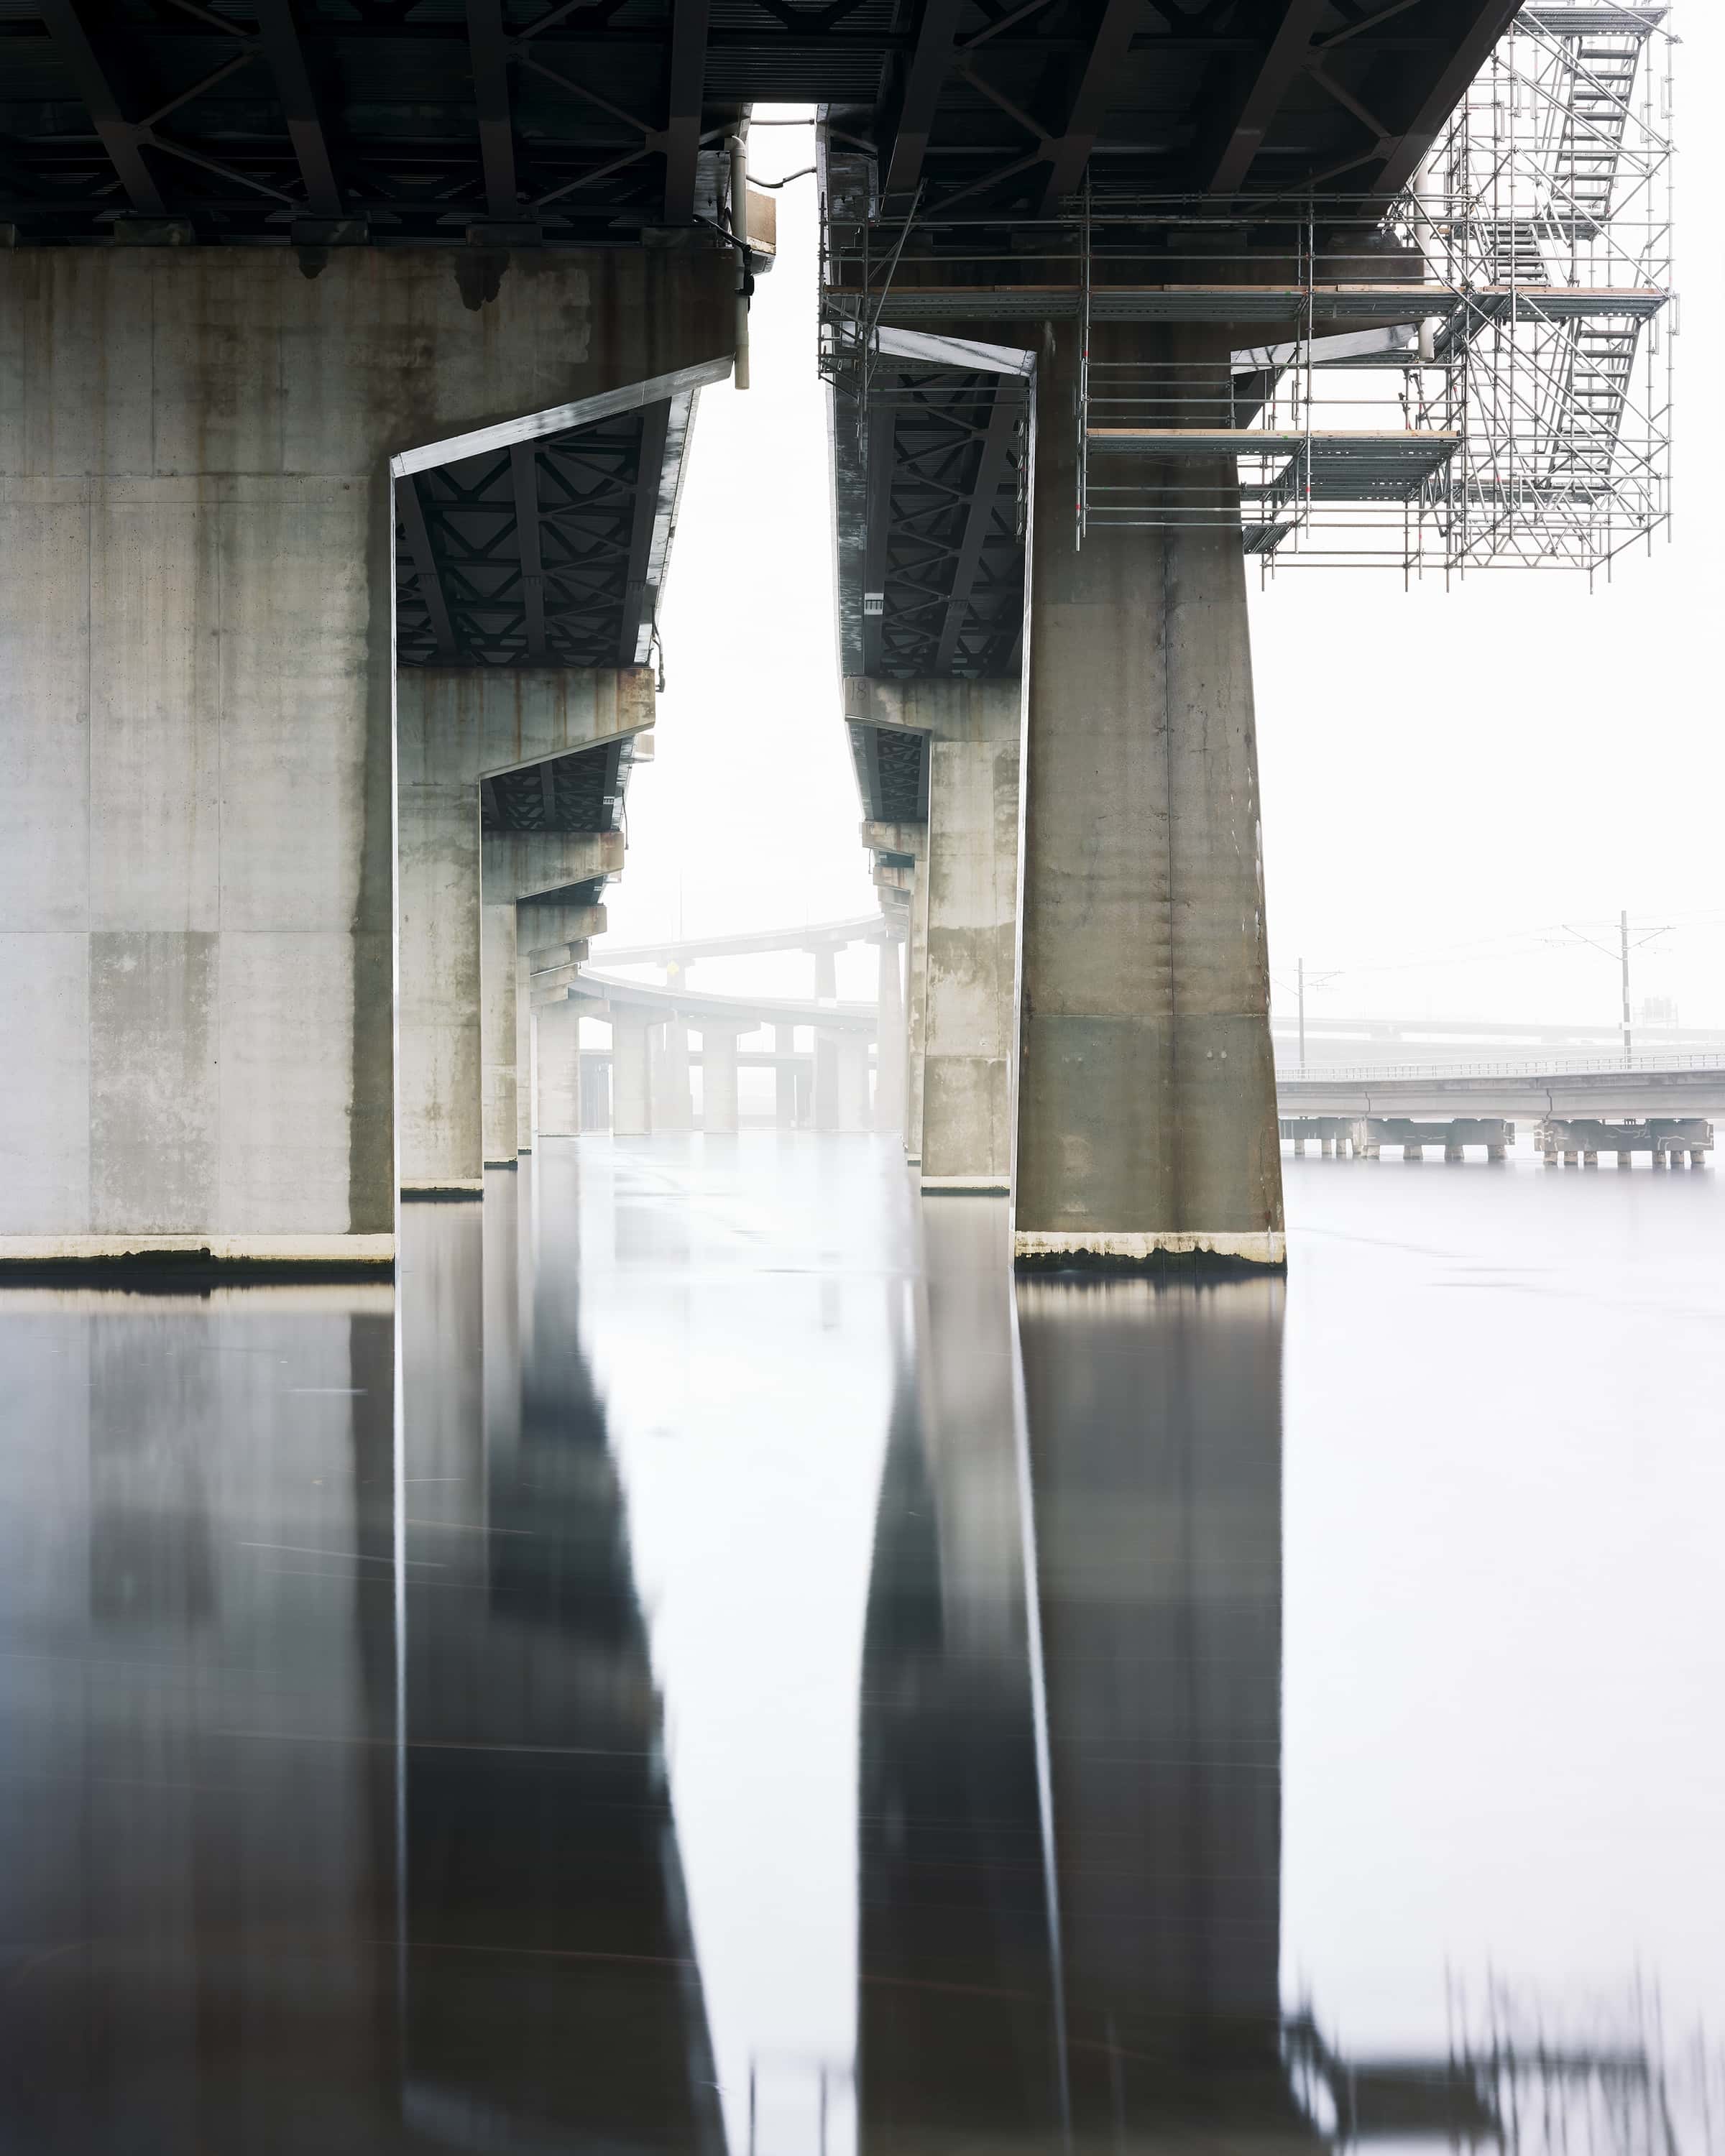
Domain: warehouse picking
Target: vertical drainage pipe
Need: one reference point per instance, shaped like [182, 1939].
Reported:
[738, 149]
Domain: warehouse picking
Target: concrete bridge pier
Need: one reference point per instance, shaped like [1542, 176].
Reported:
[841, 1081]
[198, 691]
[631, 1075]
[1147, 1119]
[673, 1101]
[963, 921]
[718, 1077]
[462, 729]
[826, 1043]
[526, 871]
[890, 1046]
[500, 1005]
[784, 1078]
[557, 1055]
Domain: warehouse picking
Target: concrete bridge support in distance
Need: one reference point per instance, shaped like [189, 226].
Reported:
[631, 1075]
[673, 1096]
[523, 878]
[557, 1054]
[784, 1078]
[962, 906]
[890, 1043]
[718, 1077]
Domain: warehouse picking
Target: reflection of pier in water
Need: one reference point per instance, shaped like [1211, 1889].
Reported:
[553, 1995]
[1503, 2089]
[1070, 1821]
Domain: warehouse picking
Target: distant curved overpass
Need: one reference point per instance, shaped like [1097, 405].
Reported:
[693, 1006]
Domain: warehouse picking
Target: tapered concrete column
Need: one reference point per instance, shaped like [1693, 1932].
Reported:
[1147, 1094]
[197, 584]
[673, 1104]
[631, 1075]
[559, 1060]
[784, 1078]
[890, 1044]
[718, 1078]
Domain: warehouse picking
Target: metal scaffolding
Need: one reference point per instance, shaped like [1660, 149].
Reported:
[1476, 374]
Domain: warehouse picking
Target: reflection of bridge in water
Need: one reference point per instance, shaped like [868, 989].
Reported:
[402, 1850]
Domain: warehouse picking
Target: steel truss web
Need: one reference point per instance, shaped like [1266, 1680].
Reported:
[1476, 374]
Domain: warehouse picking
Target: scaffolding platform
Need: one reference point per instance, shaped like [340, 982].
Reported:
[1474, 374]
[1330, 306]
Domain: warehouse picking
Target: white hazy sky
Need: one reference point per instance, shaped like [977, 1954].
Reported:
[1448, 777]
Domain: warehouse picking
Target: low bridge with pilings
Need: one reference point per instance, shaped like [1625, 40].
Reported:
[1658, 1106]
[1693, 1085]
[400, 317]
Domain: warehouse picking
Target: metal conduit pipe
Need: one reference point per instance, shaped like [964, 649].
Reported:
[736, 146]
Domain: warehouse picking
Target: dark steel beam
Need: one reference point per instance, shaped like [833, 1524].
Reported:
[991, 475]
[926, 74]
[686, 94]
[1482, 23]
[123, 139]
[490, 85]
[412, 512]
[279, 32]
[1232, 141]
[655, 425]
[548, 792]
[524, 472]
[877, 526]
[1069, 151]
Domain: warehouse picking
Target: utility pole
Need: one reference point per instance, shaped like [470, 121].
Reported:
[1302, 1017]
[1623, 949]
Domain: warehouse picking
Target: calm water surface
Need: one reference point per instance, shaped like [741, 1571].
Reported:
[710, 1667]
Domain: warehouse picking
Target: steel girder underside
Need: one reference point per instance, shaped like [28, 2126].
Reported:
[550, 553]
[420, 119]
[513, 123]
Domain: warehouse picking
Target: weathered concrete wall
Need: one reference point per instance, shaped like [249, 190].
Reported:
[197, 581]
[457, 725]
[1147, 1099]
[558, 1025]
[964, 912]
